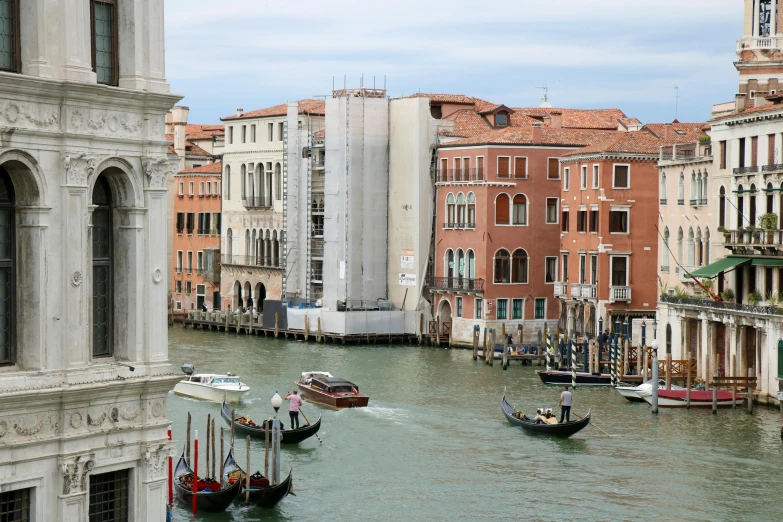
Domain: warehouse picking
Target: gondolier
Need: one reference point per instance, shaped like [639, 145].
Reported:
[294, 401]
[565, 405]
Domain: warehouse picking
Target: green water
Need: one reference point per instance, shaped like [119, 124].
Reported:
[434, 445]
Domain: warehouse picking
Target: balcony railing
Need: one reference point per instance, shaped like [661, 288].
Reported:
[459, 175]
[458, 226]
[257, 202]
[745, 170]
[209, 274]
[259, 261]
[456, 283]
[576, 291]
[663, 201]
[721, 305]
[754, 238]
[589, 292]
[757, 43]
[561, 290]
[694, 202]
[619, 293]
[680, 202]
[772, 168]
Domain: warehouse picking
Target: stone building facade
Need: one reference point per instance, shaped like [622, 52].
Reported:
[83, 176]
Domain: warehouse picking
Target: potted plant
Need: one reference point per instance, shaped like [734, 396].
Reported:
[707, 283]
[769, 222]
[726, 234]
[754, 298]
[727, 295]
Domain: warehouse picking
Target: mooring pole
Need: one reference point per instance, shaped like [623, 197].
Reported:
[195, 471]
[715, 393]
[751, 373]
[573, 363]
[475, 341]
[206, 453]
[222, 455]
[187, 442]
[655, 376]
[171, 476]
[688, 384]
[247, 471]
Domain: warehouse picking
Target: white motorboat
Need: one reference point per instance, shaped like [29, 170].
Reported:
[210, 386]
[638, 393]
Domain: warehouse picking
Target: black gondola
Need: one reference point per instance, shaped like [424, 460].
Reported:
[260, 496]
[207, 501]
[564, 378]
[558, 430]
[289, 436]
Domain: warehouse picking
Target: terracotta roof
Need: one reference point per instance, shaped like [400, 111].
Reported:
[767, 107]
[644, 141]
[523, 135]
[320, 134]
[607, 119]
[314, 107]
[687, 132]
[198, 131]
[212, 168]
[466, 123]
[459, 99]
[191, 149]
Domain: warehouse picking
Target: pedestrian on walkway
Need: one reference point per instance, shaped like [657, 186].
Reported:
[565, 405]
[294, 401]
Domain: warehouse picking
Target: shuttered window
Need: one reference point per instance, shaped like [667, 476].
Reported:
[502, 207]
[191, 219]
[520, 167]
[180, 222]
[504, 167]
[553, 169]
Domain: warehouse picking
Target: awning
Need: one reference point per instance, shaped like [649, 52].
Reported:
[767, 262]
[720, 266]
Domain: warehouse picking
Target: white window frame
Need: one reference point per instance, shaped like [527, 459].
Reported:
[244, 133]
[215, 188]
[558, 168]
[200, 188]
[271, 131]
[557, 212]
[583, 177]
[181, 262]
[522, 318]
[527, 167]
[478, 307]
[546, 303]
[510, 167]
[593, 263]
[596, 175]
[253, 132]
[620, 208]
[200, 260]
[190, 188]
[583, 281]
[557, 273]
[627, 268]
[614, 169]
[566, 179]
[458, 307]
[179, 304]
[527, 210]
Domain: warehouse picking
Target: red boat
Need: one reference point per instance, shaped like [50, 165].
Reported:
[699, 399]
[324, 388]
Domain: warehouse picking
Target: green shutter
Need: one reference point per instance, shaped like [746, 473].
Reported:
[780, 359]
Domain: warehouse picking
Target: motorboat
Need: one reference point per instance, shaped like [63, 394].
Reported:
[699, 399]
[326, 389]
[638, 393]
[210, 386]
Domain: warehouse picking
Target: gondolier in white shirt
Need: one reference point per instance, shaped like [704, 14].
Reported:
[565, 405]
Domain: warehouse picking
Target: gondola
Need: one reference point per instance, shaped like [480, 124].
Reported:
[267, 496]
[561, 377]
[558, 430]
[207, 501]
[289, 436]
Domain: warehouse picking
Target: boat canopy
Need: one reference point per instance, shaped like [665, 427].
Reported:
[310, 375]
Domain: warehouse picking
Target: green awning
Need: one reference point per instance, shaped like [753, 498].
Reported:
[720, 266]
[767, 262]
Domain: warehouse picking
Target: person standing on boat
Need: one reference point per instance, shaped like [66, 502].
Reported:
[294, 401]
[565, 405]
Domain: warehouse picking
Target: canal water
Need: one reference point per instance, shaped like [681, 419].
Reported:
[434, 445]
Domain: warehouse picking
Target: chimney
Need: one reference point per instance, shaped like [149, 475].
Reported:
[739, 102]
[537, 132]
[240, 112]
[557, 119]
[179, 119]
[668, 132]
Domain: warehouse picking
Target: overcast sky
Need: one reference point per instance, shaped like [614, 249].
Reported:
[590, 53]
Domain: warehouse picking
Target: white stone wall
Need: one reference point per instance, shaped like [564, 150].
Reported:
[65, 415]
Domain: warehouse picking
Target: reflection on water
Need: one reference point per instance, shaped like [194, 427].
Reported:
[434, 445]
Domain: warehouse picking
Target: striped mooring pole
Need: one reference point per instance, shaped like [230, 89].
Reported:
[612, 363]
[573, 362]
[548, 341]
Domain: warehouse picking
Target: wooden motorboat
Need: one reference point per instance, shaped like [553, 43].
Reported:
[324, 388]
[207, 500]
[583, 379]
[262, 493]
[638, 393]
[699, 399]
[245, 426]
[210, 386]
[565, 429]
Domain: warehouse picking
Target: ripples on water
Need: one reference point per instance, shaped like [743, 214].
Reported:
[434, 445]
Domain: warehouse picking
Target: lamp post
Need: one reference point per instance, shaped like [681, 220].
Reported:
[644, 332]
[277, 401]
[600, 342]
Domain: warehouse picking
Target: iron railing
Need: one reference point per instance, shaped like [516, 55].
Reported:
[458, 225]
[745, 170]
[459, 175]
[259, 261]
[257, 202]
[772, 168]
[456, 283]
[721, 305]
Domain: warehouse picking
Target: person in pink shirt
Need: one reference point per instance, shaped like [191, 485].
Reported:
[294, 402]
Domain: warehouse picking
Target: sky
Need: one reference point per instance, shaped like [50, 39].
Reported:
[628, 54]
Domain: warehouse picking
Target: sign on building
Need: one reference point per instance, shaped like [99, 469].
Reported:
[406, 259]
[407, 279]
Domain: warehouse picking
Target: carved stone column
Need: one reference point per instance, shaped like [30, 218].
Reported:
[74, 501]
[31, 271]
[154, 472]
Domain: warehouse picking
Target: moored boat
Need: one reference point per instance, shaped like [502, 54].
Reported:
[582, 378]
[324, 388]
[565, 429]
[215, 496]
[210, 386]
[262, 493]
[699, 399]
[248, 427]
[638, 393]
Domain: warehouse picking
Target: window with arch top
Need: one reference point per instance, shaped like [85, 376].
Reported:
[450, 210]
[502, 204]
[502, 267]
[519, 213]
[102, 276]
[461, 209]
[471, 210]
[519, 267]
[7, 271]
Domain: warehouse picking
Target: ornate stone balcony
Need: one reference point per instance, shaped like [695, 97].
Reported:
[561, 290]
[589, 291]
[619, 294]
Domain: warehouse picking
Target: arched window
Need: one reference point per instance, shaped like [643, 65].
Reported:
[502, 204]
[694, 188]
[722, 207]
[471, 264]
[691, 248]
[680, 257]
[247, 242]
[707, 246]
[261, 248]
[471, 210]
[276, 249]
[681, 190]
[699, 248]
[227, 188]
[704, 194]
[519, 267]
[448, 259]
[519, 212]
[278, 182]
[229, 245]
[668, 338]
[252, 252]
[460, 263]
[663, 188]
[451, 211]
[740, 207]
[7, 270]
[251, 189]
[665, 251]
[770, 198]
[260, 185]
[102, 256]
[243, 181]
[502, 266]
[461, 210]
[752, 210]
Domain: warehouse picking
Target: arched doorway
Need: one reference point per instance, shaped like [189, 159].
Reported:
[248, 296]
[260, 294]
[237, 301]
[444, 312]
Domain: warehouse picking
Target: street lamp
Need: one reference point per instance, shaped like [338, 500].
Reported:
[644, 332]
[277, 401]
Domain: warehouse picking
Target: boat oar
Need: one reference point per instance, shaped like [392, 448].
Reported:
[592, 424]
[308, 422]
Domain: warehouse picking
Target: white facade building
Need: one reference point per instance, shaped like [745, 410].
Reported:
[83, 175]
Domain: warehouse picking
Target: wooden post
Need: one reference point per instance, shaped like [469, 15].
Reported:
[626, 348]
[228, 317]
[503, 334]
[475, 344]
[320, 334]
[233, 416]
[206, 453]
[247, 472]
[492, 349]
[751, 374]
[506, 351]
[222, 455]
[437, 330]
[715, 393]
[195, 472]
[213, 453]
[484, 346]
[239, 321]
[645, 360]
[639, 357]
[668, 371]
[734, 386]
[187, 442]
[655, 371]
[266, 447]
[277, 319]
[688, 383]
[421, 328]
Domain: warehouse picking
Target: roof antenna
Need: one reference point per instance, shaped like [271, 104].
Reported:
[545, 98]
[676, 102]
